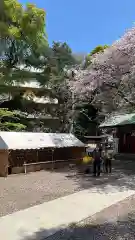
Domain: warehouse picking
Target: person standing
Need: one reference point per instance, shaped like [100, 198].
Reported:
[108, 162]
[96, 162]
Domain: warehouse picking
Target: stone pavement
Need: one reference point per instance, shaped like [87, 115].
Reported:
[49, 217]
[116, 222]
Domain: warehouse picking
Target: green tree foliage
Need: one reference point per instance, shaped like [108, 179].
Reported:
[59, 58]
[19, 22]
[62, 53]
[55, 64]
[22, 36]
[23, 41]
[96, 50]
[10, 121]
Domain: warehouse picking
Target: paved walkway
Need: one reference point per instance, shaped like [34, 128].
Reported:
[116, 222]
[49, 217]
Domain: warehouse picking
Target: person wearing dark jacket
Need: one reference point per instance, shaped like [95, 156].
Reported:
[96, 162]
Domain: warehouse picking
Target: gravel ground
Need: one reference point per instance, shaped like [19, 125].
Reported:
[23, 191]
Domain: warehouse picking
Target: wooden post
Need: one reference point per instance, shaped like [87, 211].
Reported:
[8, 152]
[37, 155]
[52, 159]
[25, 168]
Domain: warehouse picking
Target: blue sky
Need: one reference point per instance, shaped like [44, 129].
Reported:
[86, 24]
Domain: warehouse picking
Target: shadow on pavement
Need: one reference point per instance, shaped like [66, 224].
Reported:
[121, 178]
[122, 228]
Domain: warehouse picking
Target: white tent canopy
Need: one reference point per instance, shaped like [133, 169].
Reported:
[30, 140]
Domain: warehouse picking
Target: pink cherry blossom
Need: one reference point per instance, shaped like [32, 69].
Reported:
[116, 64]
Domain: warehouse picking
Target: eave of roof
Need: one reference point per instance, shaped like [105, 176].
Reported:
[118, 120]
[38, 140]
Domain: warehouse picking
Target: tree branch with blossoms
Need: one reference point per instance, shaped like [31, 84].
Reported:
[111, 72]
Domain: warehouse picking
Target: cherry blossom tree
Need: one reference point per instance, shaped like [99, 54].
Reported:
[111, 74]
